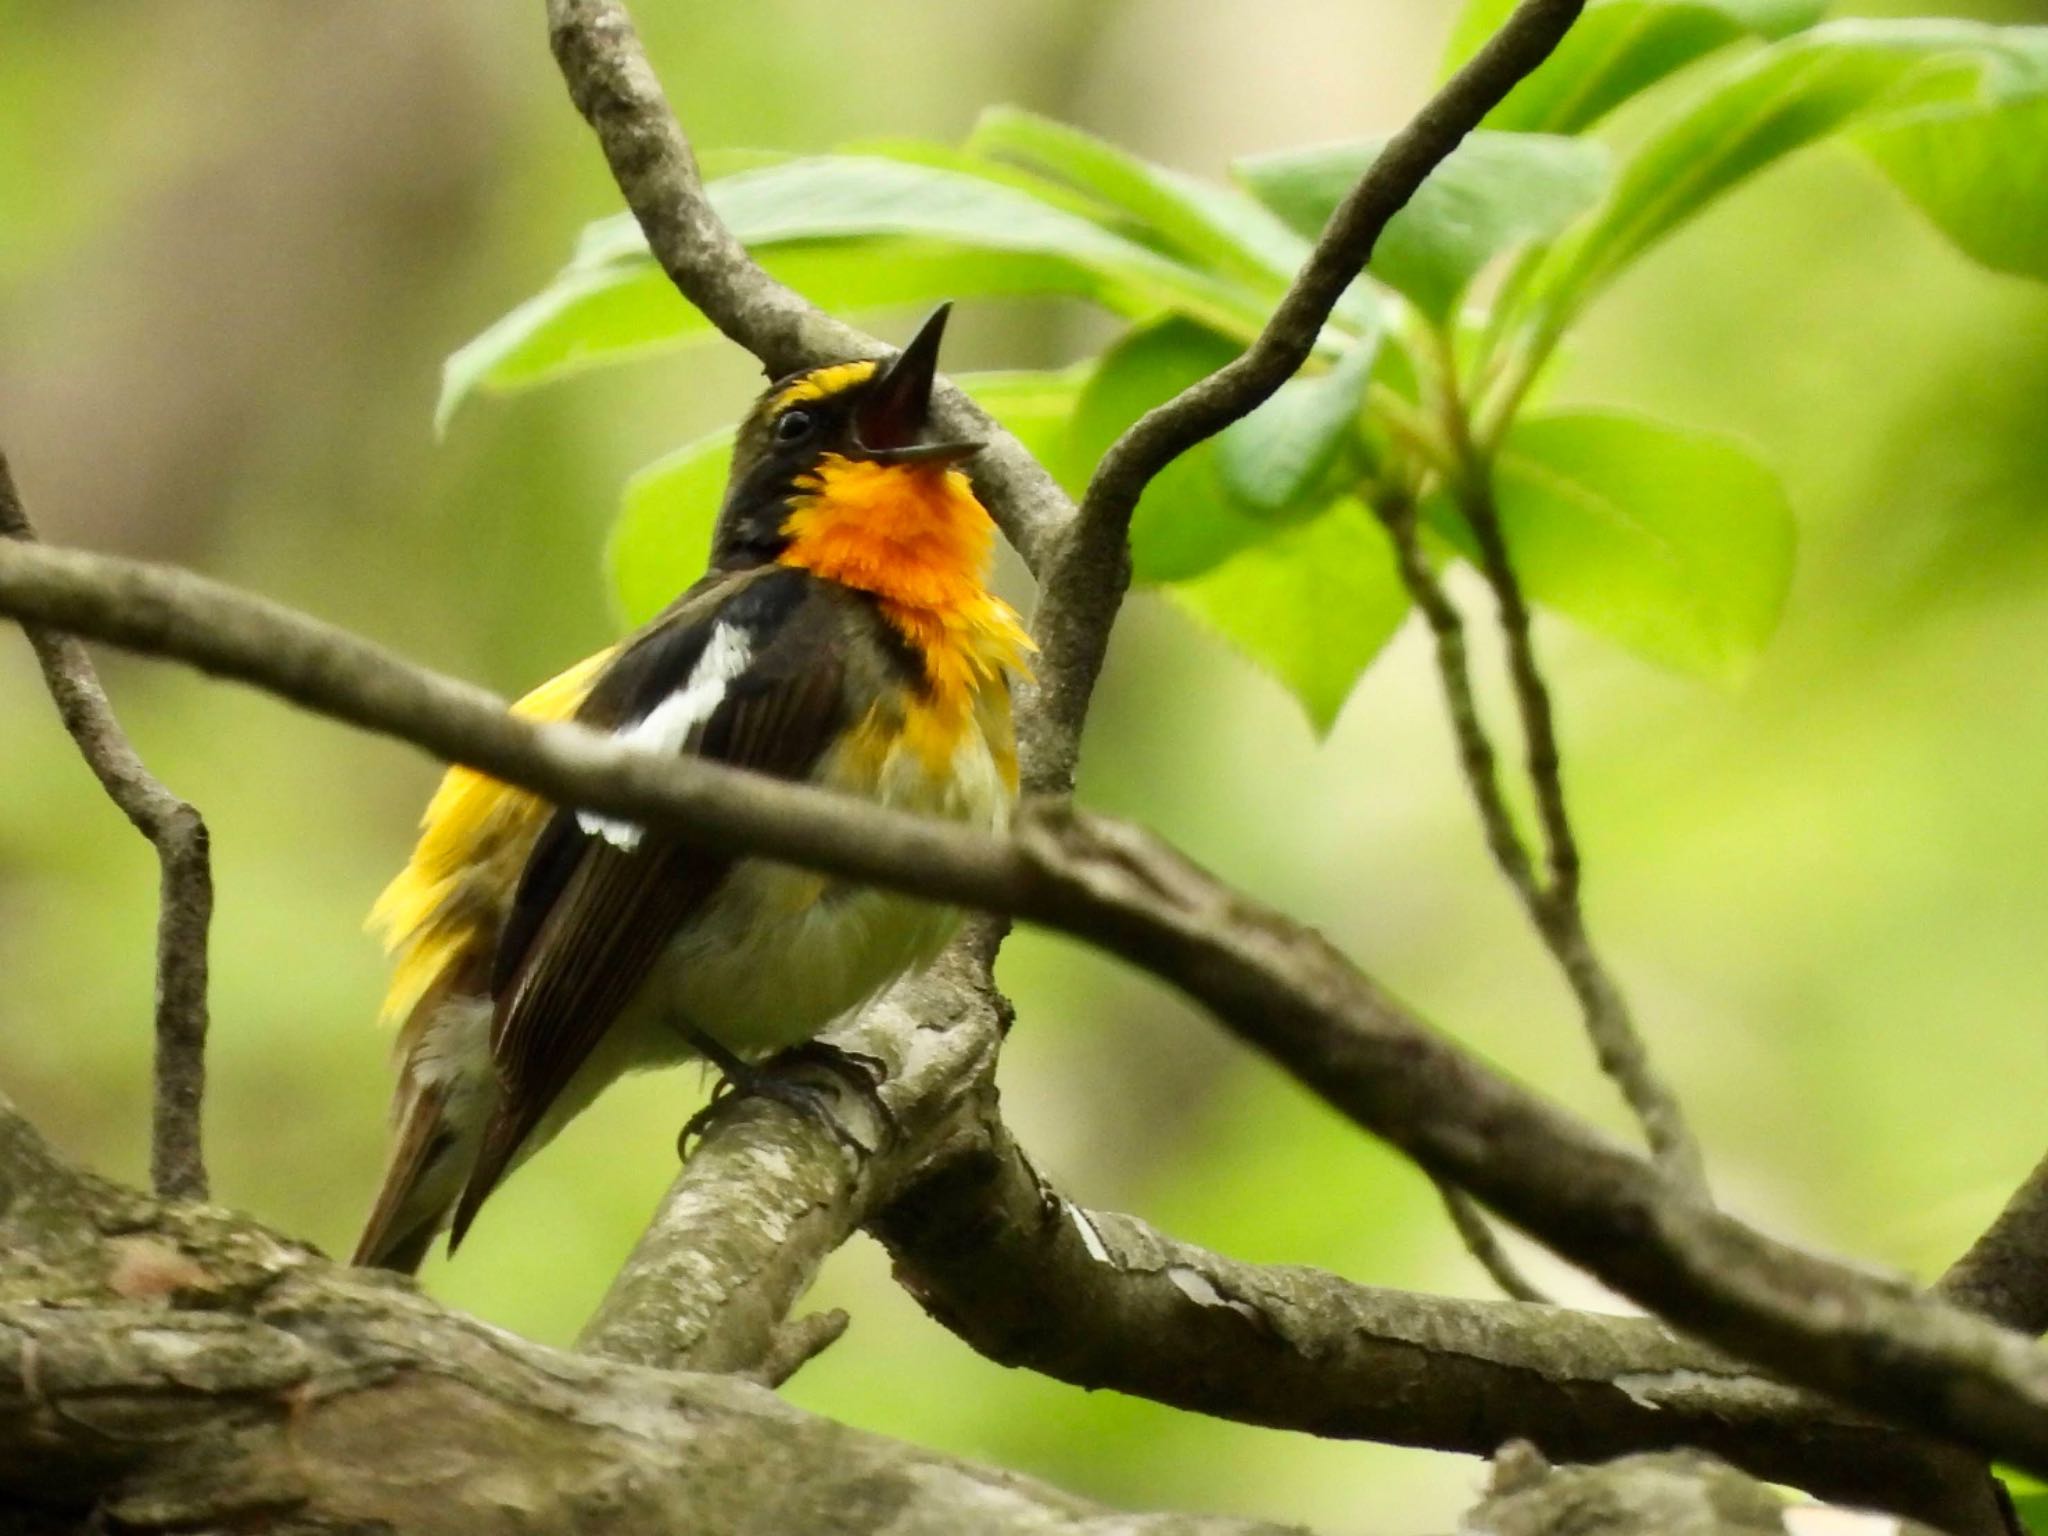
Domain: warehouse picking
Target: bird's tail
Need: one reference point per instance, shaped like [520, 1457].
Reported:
[443, 1099]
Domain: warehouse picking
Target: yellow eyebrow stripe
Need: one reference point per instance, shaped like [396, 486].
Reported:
[820, 383]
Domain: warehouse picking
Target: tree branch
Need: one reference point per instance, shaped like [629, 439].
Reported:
[615, 88]
[1104, 1301]
[767, 1197]
[1554, 907]
[177, 1162]
[1557, 911]
[173, 1369]
[1484, 1244]
[168, 1369]
[1276, 985]
[1083, 584]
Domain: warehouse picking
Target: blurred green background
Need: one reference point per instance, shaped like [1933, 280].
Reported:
[236, 241]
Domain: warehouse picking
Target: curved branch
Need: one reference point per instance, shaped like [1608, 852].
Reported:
[177, 1162]
[1104, 1301]
[616, 90]
[1278, 986]
[1085, 581]
[1553, 908]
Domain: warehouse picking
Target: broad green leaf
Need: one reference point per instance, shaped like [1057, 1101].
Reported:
[849, 232]
[1618, 49]
[662, 536]
[968, 161]
[1278, 460]
[1495, 190]
[1981, 174]
[1764, 107]
[1314, 604]
[1675, 544]
[1185, 523]
[616, 311]
[1215, 228]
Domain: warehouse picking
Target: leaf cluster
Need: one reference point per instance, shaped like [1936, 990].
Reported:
[1426, 384]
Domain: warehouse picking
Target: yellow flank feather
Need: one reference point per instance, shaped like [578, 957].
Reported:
[446, 906]
[820, 383]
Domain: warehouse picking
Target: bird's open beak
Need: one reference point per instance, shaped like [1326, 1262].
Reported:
[894, 411]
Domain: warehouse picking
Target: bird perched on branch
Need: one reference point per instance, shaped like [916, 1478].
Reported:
[844, 636]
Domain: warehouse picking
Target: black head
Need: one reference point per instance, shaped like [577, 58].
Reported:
[878, 411]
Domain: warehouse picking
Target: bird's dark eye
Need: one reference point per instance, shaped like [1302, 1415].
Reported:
[793, 426]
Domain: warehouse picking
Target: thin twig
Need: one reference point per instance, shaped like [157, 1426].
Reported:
[1476, 756]
[1555, 909]
[185, 888]
[1552, 901]
[796, 1343]
[1084, 583]
[1485, 1246]
[2004, 1275]
[1558, 921]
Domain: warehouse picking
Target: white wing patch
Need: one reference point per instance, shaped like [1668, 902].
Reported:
[665, 730]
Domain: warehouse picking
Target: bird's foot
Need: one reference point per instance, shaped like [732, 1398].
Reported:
[774, 1080]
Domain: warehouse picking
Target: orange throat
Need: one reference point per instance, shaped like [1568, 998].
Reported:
[915, 536]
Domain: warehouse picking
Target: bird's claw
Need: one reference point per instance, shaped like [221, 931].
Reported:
[861, 1072]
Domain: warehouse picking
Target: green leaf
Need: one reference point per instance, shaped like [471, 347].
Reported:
[1763, 108]
[1618, 49]
[849, 232]
[1215, 228]
[1496, 190]
[1675, 544]
[1185, 523]
[1278, 460]
[662, 536]
[1313, 605]
[615, 312]
[1981, 173]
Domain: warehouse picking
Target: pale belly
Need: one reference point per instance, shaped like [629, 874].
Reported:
[779, 953]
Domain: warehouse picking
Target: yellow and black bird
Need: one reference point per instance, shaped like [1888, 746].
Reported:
[843, 635]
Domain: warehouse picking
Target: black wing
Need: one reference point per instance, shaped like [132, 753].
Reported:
[592, 915]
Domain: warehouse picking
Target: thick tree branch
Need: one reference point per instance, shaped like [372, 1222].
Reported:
[185, 888]
[1084, 583]
[1276, 985]
[1102, 1300]
[170, 1369]
[2005, 1274]
[175, 1369]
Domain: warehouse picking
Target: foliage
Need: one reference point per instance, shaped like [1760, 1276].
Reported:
[1672, 544]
